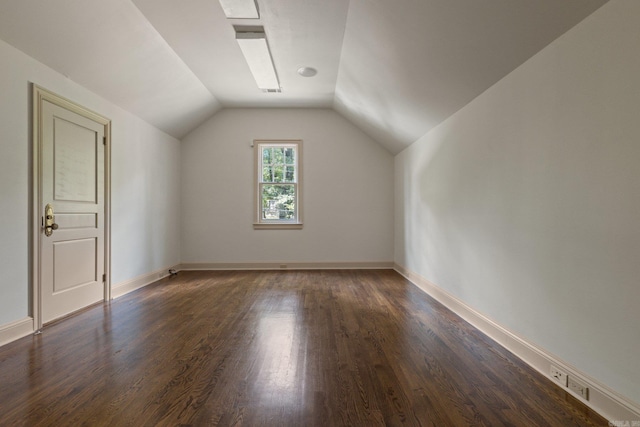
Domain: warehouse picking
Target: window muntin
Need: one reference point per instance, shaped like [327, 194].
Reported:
[278, 172]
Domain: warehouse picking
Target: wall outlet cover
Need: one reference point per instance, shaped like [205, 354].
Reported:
[558, 375]
[578, 388]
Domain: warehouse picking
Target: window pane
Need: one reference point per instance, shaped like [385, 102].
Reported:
[278, 173]
[266, 156]
[289, 154]
[278, 201]
[267, 174]
[278, 156]
[289, 174]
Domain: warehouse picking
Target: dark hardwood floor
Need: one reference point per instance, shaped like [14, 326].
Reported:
[275, 348]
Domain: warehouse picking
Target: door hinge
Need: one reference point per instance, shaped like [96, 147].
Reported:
[104, 277]
[104, 140]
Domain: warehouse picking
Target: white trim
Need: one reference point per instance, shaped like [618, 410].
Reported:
[602, 399]
[16, 330]
[141, 281]
[287, 266]
[278, 226]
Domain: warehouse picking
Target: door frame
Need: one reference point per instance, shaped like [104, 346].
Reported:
[39, 95]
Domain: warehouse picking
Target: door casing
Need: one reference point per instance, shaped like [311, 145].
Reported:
[39, 95]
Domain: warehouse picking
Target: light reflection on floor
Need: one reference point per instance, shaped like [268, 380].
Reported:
[277, 381]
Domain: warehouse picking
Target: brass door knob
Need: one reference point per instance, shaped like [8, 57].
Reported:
[49, 220]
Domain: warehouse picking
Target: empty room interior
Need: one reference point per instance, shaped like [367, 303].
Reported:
[320, 212]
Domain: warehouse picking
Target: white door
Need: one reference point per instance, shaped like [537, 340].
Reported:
[72, 192]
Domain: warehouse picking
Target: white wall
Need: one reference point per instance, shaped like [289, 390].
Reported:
[347, 185]
[526, 203]
[145, 183]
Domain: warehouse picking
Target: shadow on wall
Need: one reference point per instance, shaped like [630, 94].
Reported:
[392, 118]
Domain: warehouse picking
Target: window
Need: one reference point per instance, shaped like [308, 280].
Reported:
[278, 166]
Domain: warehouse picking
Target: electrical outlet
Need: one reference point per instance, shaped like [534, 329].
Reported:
[578, 388]
[559, 376]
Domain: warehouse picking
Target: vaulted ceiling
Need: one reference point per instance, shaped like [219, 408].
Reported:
[395, 68]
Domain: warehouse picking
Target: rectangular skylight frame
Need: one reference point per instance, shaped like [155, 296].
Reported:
[240, 9]
[255, 48]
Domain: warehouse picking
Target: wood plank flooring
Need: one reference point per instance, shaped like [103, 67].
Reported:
[274, 348]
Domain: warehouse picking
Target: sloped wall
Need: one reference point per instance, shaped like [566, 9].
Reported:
[525, 204]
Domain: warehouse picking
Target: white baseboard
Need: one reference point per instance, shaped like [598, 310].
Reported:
[286, 266]
[610, 404]
[127, 286]
[16, 330]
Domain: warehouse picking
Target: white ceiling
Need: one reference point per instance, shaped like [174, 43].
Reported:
[395, 68]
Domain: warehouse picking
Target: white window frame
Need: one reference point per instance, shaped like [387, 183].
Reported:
[276, 224]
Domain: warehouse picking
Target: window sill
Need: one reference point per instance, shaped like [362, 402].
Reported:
[278, 226]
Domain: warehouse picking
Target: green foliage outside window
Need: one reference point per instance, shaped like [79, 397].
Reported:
[278, 170]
